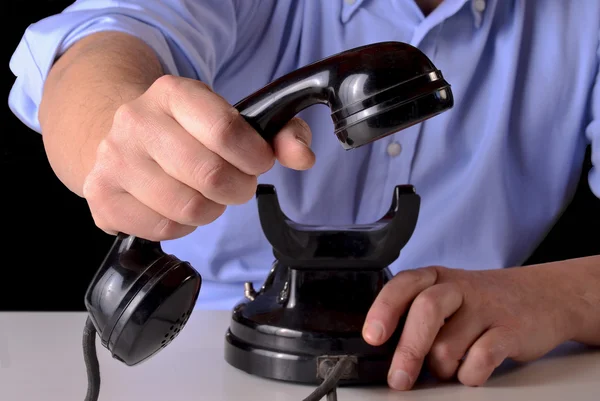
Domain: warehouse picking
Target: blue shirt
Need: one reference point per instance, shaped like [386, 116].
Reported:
[494, 173]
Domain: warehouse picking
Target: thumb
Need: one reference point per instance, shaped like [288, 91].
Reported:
[292, 145]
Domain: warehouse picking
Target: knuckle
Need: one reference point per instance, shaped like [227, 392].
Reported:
[126, 118]
[225, 131]
[165, 229]
[222, 129]
[194, 209]
[213, 175]
[430, 274]
[443, 352]
[409, 353]
[90, 187]
[100, 208]
[166, 82]
[385, 303]
[200, 85]
[94, 189]
[105, 149]
[410, 278]
[170, 91]
[106, 155]
[103, 224]
[427, 305]
[483, 357]
[106, 170]
[100, 222]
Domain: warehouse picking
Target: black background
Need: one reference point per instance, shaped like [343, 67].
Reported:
[51, 248]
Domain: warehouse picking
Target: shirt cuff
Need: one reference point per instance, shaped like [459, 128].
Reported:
[45, 41]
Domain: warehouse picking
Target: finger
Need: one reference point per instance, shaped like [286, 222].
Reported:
[170, 198]
[215, 123]
[393, 301]
[184, 158]
[485, 355]
[292, 145]
[453, 341]
[120, 212]
[425, 318]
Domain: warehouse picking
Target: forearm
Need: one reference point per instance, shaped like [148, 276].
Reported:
[578, 281]
[83, 90]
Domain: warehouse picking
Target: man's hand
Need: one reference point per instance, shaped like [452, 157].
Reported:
[177, 156]
[466, 323]
[154, 155]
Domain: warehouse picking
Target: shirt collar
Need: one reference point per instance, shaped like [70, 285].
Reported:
[478, 9]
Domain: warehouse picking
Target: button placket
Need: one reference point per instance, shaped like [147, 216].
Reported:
[376, 172]
[477, 8]
[479, 5]
[394, 149]
[399, 153]
[349, 7]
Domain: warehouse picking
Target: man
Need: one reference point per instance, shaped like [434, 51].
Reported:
[133, 99]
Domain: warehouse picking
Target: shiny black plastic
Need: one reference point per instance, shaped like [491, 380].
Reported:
[343, 247]
[141, 298]
[372, 91]
[316, 305]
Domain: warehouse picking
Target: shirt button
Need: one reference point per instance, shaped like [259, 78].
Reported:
[350, 2]
[479, 5]
[394, 149]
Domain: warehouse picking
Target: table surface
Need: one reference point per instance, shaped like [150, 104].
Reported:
[41, 360]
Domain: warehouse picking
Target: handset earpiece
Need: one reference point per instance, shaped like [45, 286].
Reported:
[140, 298]
[138, 302]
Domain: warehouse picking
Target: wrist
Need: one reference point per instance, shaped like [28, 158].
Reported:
[83, 91]
[575, 288]
[587, 294]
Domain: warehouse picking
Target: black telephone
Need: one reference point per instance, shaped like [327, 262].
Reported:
[141, 298]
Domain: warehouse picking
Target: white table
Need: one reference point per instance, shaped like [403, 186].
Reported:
[41, 360]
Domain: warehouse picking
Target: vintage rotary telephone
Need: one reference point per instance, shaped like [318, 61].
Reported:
[304, 324]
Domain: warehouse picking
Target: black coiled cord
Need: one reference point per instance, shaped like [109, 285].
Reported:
[92, 367]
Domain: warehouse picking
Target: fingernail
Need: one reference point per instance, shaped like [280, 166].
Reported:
[302, 141]
[374, 332]
[399, 380]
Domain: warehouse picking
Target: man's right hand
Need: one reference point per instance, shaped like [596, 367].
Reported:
[177, 156]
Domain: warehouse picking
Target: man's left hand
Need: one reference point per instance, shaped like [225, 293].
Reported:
[466, 323]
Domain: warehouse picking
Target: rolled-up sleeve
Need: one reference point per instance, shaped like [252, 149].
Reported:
[191, 38]
[593, 132]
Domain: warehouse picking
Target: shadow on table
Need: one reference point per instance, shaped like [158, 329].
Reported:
[523, 375]
[513, 374]
[539, 372]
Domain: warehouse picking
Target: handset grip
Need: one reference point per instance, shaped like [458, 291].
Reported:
[359, 86]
